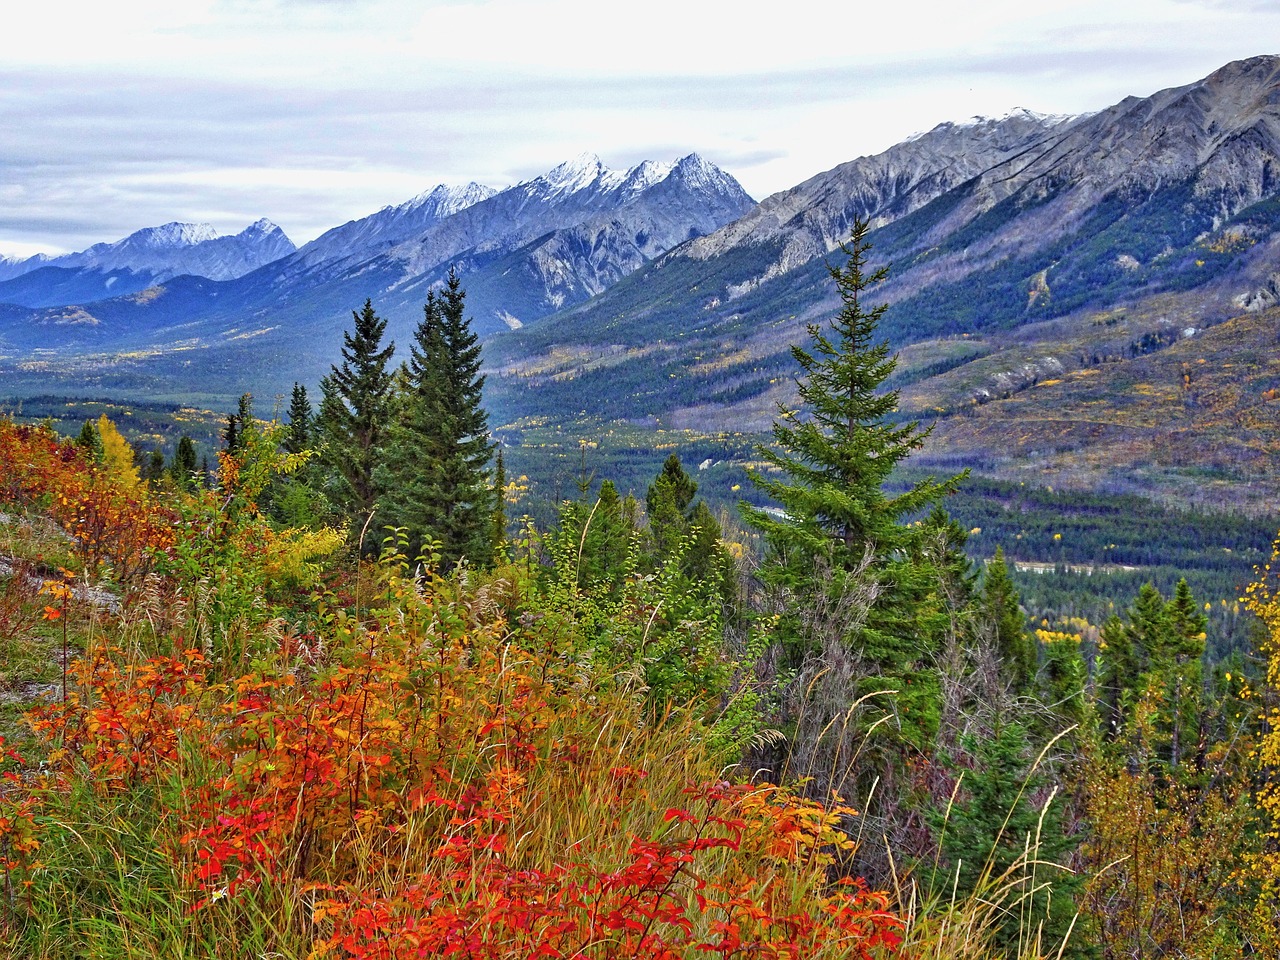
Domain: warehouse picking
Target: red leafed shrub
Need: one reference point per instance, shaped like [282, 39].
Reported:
[689, 893]
[113, 523]
[124, 721]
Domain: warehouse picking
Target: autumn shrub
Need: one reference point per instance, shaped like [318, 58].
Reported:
[432, 777]
[115, 525]
[1262, 598]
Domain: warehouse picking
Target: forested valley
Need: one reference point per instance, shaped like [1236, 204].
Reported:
[352, 686]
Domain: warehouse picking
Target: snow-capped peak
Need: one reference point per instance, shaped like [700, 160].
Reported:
[697, 172]
[981, 120]
[645, 174]
[170, 235]
[259, 228]
[442, 200]
[581, 172]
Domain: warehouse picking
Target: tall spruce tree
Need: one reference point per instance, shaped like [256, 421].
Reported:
[435, 469]
[90, 441]
[1179, 666]
[354, 408]
[232, 434]
[184, 465]
[298, 436]
[840, 533]
[467, 482]
[669, 504]
[410, 472]
[1006, 623]
[677, 522]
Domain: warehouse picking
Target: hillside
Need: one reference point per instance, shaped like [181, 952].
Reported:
[1090, 259]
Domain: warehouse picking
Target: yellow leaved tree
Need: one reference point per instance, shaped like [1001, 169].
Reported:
[117, 456]
[1262, 598]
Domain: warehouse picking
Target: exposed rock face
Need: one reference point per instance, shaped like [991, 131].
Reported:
[599, 224]
[1222, 133]
[361, 239]
[815, 216]
[1263, 298]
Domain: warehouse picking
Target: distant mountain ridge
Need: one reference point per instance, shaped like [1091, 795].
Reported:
[144, 258]
[524, 252]
[171, 250]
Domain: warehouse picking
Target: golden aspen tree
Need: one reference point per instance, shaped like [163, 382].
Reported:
[117, 456]
[1262, 598]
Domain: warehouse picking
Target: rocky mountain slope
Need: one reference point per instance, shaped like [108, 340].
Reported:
[986, 226]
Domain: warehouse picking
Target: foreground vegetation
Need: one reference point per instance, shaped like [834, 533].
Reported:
[257, 756]
[240, 722]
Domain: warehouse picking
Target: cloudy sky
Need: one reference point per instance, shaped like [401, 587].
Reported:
[115, 116]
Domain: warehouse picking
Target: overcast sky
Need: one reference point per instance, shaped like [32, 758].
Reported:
[116, 116]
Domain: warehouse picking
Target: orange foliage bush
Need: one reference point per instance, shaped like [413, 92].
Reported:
[112, 523]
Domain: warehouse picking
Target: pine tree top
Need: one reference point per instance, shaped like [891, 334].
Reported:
[839, 447]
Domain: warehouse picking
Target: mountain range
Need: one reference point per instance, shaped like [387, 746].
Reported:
[1065, 293]
[524, 252]
[141, 260]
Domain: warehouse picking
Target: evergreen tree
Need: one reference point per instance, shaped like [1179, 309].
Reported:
[468, 450]
[231, 434]
[435, 470]
[994, 838]
[678, 522]
[1117, 675]
[1007, 623]
[299, 434]
[354, 407]
[244, 410]
[595, 537]
[1178, 667]
[184, 467]
[1062, 679]
[946, 610]
[668, 503]
[674, 480]
[706, 560]
[410, 471]
[1149, 625]
[90, 441]
[153, 467]
[841, 534]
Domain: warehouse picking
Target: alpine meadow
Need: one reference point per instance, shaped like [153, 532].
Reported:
[611, 565]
